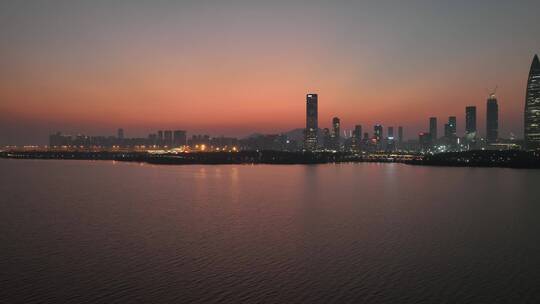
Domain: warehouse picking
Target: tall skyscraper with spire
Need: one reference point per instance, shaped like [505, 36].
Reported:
[492, 119]
[532, 107]
[312, 124]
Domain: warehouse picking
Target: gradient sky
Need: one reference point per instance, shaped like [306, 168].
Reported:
[239, 67]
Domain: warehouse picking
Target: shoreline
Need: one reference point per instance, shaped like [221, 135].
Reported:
[478, 159]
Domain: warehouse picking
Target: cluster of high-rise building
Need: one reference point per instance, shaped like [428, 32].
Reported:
[431, 140]
[162, 139]
[356, 140]
[471, 139]
[450, 140]
[335, 139]
[168, 139]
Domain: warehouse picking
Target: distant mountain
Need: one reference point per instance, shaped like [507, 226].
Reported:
[295, 134]
[253, 135]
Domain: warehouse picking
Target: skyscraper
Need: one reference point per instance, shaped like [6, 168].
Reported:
[160, 137]
[391, 133]
[452, 126]
[470, 123]
[179, 138]
[167, 138]
[450, 136]
[336, 137]
[120, 133]
[433, 128]
[327, 141]
[378, 132]
[532, 107]
[447, 133]
[357, 133]
[400, 134]
[312, 126]
[357, 137]
[492, 119]
[390, 140]
[424, 139]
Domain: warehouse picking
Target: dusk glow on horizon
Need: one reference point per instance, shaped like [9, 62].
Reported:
[241, 67]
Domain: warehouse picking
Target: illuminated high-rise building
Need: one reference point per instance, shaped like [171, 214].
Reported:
[357, 137]
[532, 107]
[335, 135]
[400, 134]
[312, 126]
[336, 126]
[452, 126]
[167, 138]
[179, 138]
[470, 123]
[378, 132]
[433, 128]
[391, 133]
[450, 136]
[492, 119]
[357, 133]
[424, 139]
[327, 140]
[390, 140]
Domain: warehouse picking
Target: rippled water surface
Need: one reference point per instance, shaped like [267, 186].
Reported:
[106, 232]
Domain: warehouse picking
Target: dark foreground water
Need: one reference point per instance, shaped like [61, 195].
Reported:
[104, 232]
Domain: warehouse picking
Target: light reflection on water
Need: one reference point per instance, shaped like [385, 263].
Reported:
[102, 232]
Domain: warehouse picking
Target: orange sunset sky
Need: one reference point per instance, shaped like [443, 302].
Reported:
[238, 67]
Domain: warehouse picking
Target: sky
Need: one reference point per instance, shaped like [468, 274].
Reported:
[239, 67]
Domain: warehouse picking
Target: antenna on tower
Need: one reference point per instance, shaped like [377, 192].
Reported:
[491, 94]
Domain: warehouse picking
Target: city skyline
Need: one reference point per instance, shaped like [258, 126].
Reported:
[312, 132]
[451, 129]
[331, 139]
[246, 69]
[269, 151]
[316, 139]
